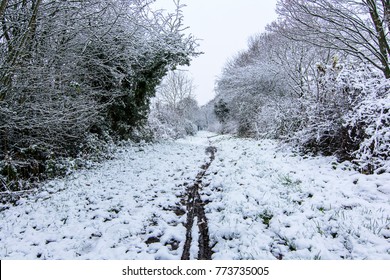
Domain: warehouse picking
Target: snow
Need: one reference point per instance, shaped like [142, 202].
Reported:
[264, 202]
[319, 209]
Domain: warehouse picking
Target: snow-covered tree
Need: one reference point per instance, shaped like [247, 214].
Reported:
[257, 81]
[69, 68]
[357, 27]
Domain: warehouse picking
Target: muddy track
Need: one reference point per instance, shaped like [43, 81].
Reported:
[195, 209]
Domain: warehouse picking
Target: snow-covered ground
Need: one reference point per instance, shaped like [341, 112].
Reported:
[269, 203]
[263, 202]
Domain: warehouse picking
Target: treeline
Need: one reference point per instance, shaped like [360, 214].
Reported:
[76, 74]
[318, 77]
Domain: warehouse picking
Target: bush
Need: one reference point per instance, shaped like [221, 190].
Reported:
[369, 124]
[167, 124]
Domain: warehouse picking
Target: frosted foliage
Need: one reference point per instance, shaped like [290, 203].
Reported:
[72, 68]
[166, 124]
[372, 118]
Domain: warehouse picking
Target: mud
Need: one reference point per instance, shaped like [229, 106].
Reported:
[195, 208]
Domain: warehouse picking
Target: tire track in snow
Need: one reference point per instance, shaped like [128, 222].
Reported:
[196, 212]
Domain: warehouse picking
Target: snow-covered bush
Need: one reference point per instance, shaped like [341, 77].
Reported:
[324, 107]
[280, 119]
[349, 117]
[336, 89]
[369, 125]
[167, 124]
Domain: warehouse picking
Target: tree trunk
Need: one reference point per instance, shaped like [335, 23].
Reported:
[381, 35]
[386, 11]
[3, 5]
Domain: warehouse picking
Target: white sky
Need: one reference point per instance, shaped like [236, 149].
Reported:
[224, 27]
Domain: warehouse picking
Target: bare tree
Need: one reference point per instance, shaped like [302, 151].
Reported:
[175, 88]
[357, 27]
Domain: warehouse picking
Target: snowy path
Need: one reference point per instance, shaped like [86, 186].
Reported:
[196, 214]
[129, 208]
[258, 202]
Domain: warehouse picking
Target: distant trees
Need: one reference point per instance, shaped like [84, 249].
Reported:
[252, 85]
[319, 78]
[175, 112]
[71, 68]
[175, 87]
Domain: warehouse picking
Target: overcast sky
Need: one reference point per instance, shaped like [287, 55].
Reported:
[224, 27]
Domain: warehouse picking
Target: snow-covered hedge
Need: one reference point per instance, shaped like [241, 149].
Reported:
[351, 117]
